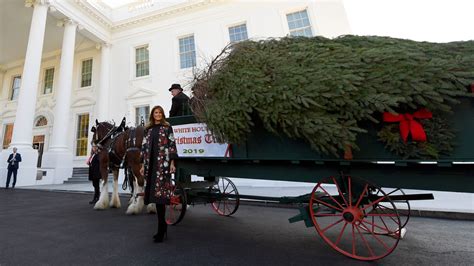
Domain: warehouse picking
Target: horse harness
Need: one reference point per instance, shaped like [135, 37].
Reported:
[108, 141]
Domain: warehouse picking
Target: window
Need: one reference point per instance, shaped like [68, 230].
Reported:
[41, 121]
[187, 52]
[48, 81]
[238, 33]
[82, 134]
[86, 74]
[16, 83]
[141, 62]
[7, 136]
[141, 113]
[298, 23]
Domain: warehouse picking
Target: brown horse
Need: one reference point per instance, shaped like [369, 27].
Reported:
[119, 146]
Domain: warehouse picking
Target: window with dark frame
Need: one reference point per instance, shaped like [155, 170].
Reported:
[16, 84]
[142, 65]
[48, 81]
[86, 73]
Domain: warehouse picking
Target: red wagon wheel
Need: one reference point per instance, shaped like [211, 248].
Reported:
[228, 200]
[177, 208]
[346, 213]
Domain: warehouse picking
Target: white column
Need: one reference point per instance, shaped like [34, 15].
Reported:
[23, 128]
[63, 95]
[58, 158]
[103, 97]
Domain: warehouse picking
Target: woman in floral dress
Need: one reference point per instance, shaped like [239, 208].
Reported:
[159, 154]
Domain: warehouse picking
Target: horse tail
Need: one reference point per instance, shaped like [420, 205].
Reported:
[133, 146]
[128, 181]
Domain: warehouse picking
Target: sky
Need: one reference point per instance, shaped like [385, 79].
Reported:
[420, 20]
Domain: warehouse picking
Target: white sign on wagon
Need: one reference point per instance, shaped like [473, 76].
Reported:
[194, 140]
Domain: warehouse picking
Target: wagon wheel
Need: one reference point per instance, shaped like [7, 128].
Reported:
[227, 201]
[403, 206]
[385, 208]
[346, 214]
[177, 208]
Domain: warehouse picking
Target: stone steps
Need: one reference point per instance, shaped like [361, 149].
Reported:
[81, 175]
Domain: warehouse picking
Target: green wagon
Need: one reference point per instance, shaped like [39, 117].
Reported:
[349, 207]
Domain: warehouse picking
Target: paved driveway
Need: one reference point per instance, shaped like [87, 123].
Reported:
[59, 228]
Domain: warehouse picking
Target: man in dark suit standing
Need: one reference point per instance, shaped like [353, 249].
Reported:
[13, 162]
[180, 102]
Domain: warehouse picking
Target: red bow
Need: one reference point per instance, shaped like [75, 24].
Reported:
[408, 124]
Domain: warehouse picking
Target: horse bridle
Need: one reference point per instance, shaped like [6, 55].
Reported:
[109, 134]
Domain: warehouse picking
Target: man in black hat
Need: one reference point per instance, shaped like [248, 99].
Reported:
[180, 102]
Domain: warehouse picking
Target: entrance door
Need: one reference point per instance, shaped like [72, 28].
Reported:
[38, 144]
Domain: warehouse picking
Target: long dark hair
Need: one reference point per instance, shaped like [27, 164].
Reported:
[151, 120]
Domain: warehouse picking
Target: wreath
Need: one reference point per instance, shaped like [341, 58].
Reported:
[428, 138]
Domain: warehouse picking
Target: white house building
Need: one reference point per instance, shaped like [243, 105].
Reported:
[65, 63]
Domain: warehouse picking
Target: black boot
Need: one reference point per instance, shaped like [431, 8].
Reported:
[95, 199]
[162, 233]
[95, 183]
[156, 236]
[162, 225]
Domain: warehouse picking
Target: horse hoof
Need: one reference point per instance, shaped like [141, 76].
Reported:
[115, 205]
[100, 205]
[131, 210]
[151, 209]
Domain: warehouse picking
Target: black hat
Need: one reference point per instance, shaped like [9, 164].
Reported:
[176, 86]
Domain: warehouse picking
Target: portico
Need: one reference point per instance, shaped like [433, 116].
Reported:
[57, 159]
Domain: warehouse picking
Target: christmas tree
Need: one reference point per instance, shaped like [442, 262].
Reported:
[321, 89]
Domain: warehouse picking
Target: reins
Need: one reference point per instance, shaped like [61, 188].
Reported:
[109, 134]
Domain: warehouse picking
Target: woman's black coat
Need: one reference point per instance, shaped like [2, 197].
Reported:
[94, 168]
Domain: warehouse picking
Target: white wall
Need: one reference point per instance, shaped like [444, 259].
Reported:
[208, 24]
[210, 29]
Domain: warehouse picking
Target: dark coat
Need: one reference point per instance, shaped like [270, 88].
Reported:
[159, 148]
[180, 105]
[94, 168]
[13, 163]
